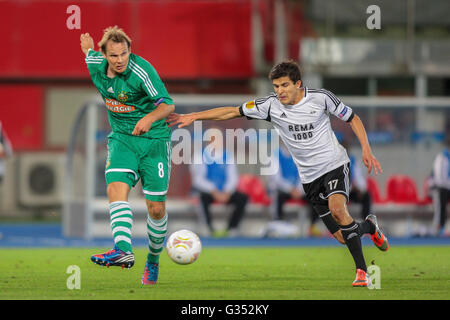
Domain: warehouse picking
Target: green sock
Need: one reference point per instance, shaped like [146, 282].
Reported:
[156, 231]
[121, 219]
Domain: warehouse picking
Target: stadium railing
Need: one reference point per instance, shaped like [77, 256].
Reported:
[85, 209]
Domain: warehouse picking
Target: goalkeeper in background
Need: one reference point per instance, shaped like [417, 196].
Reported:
[139, 146]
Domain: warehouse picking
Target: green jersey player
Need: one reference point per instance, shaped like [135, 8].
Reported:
[139, 146]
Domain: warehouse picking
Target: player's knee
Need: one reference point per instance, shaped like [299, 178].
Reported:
[338, 211]
[156, 209]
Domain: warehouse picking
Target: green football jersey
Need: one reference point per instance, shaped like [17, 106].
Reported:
[131, 95]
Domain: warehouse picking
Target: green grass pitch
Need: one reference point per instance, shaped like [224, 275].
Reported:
[248, 273]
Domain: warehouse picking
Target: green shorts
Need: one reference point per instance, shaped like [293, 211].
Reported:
[131, 158]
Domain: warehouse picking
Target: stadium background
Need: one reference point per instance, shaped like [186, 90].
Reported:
[397, 78]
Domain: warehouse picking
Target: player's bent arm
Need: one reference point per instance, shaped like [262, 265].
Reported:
[368, 158]
[86, 43]
[162, 111]
[359, 130]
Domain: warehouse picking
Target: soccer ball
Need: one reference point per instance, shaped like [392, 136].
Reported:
[184, 247]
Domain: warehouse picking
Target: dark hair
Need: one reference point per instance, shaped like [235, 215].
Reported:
[286, 68]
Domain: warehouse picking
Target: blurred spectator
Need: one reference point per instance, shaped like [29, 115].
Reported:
[216, 182]
[284, 186]
[405, 124]
[440, 188]
[385, 122]
[5, 150]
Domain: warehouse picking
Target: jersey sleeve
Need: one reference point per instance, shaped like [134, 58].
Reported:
[440, 171]
[93, 60]
[151, 83]
[336, 107]
[257, 109]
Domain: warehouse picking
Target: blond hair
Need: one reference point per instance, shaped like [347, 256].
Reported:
[114, 34]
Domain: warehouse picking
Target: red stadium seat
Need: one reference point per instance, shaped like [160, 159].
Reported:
[244, 183]
[255, 189]
[374, 190]
[426, 199]
[300, 202]
[401, 189]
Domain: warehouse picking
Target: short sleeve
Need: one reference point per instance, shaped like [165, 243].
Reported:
[257, 109]
[94, 60]
[336, 107]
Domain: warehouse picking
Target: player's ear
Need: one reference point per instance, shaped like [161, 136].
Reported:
[298, 84]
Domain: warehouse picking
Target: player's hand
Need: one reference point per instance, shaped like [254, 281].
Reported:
[142, 126]
[371, 162]
[182, 120]
[86, 43]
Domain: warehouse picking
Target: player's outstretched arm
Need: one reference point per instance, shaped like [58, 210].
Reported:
[368, 158]
[86, 43]
[222, 113]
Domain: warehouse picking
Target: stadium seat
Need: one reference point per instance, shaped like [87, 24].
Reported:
[300, 202]
[426, 199]
[374, 190]
[255, 189]
[401, 189]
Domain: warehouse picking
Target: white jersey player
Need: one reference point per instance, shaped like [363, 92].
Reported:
[301, 117]
[305, 129]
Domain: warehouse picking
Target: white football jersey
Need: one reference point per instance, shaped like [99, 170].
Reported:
[440, 176]
[305, 129]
